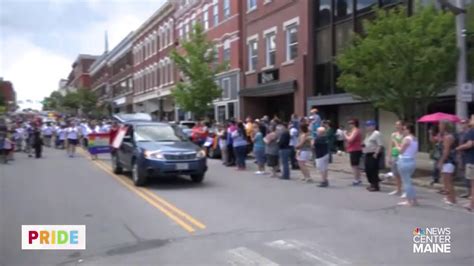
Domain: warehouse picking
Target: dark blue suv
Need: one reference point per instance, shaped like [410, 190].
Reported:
[158, 149]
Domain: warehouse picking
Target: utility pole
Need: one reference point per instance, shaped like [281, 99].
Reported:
[461, 78]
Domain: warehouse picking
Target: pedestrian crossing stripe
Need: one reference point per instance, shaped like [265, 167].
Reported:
[303, 251]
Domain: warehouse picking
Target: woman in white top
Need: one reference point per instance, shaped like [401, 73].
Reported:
[407, 164]
[72, 139]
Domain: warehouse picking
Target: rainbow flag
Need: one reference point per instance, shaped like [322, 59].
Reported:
[99, 143]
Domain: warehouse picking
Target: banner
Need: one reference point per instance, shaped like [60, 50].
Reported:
[99, 143]
[119, 138]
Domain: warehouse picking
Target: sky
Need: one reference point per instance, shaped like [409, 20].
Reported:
[40, 39]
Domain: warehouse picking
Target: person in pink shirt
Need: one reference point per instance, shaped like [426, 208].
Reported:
[353, 139]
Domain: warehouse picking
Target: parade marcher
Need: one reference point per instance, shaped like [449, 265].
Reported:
[29, 130]
[321, 150]
[315, 122]
[47, 134]
[354, 148]
[284, 150]
[259, 148]
[372, 149]
[72, 135]
[406, 163]
[222, 138]
[8, 145]
[239, 140]
[198, 134]
[463, 134]
[447, 162]
[293, 142]
[37, 144]
[468, 148]
[304, 152]
[62, 134]
[19, 137]
[394, 151]
[271, 150]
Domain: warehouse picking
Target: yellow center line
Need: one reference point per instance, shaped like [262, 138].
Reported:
[162, 201]
[151, 198]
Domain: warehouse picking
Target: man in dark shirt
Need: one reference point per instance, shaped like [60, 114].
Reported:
[285, 150]
[321, 150]
[468, 149]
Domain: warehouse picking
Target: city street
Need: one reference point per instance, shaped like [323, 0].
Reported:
[232, 218]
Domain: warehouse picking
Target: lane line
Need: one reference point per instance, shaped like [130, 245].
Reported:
[149, 200]
[246, 257]
[160, 200]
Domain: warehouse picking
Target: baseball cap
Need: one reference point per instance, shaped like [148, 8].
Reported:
[370, 123]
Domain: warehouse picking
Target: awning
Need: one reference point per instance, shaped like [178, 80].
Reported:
[270, 89]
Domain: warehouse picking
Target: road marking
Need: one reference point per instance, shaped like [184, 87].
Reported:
[159, 199]
[180, 222]
[308, 252]
[172, 212]
[246, 257]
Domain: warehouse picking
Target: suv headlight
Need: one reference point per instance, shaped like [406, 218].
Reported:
[201, 154]
[153, 155]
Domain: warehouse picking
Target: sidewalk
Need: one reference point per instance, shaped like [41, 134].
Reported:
[422, 177]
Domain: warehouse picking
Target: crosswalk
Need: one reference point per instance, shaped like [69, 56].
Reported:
[283, 252]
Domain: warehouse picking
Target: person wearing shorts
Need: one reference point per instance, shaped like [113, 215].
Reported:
[72, 134]
[321, 150]
[304, 153]
[468, 148]
[395, 145]
[354, 148]
[271, 150]
[446, 163]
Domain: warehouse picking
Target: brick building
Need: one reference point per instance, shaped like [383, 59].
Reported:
[8, 94]
[221, 22]
[100, 74]
[276, 57]
[79, 76]
[120, 63]
[153, 71]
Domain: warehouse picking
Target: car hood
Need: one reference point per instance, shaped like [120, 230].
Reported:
[178, 146]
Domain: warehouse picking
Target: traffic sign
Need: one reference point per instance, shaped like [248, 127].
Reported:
[466, 92]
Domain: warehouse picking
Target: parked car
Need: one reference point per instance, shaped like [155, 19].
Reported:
[151, 149]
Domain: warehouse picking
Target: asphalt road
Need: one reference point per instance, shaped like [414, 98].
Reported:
[233, 218]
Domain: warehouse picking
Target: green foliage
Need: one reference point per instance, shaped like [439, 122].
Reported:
[83, 99]
[470, 40]
[197, 61]
[402, 63]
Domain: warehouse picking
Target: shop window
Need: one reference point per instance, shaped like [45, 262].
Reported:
[231, 110]
[343, 33]
[364, 6]
[323, 79]
[324, 14]
[343, 9]
[323, 46]
[336, 75]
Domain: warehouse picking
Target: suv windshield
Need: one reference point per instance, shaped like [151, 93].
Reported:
[156, 133]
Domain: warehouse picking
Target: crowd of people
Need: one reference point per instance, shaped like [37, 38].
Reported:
[279, 146]
[31, 136]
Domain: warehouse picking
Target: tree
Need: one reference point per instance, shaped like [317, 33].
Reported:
[53, 102]
[197, 61]
[87, 101]
[72, 102]
[470, 40]
[402, 63]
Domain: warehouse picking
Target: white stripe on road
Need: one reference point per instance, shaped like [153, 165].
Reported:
[308, 251]
[245, 257]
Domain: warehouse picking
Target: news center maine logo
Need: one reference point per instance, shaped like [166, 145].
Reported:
[432, 240]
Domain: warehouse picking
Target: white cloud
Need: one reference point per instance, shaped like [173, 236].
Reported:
[35, 70]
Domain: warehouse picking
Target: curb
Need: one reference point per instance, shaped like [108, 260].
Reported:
[416, 181]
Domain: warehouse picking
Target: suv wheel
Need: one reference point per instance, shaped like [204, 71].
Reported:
[138, 178]
[197, 178]
[117, 168]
